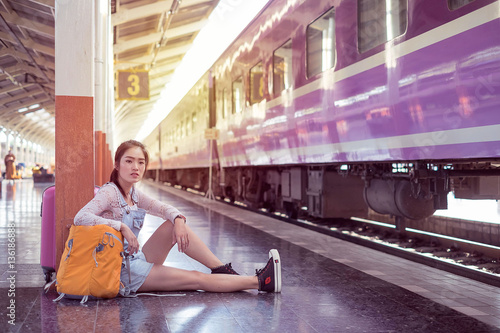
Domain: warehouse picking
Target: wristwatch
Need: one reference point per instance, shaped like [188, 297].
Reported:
[180, 217]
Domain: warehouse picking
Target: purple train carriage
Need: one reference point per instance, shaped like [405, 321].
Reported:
[328, 108]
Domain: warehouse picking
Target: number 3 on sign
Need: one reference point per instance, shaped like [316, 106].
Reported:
[134, 88]
[133, 85]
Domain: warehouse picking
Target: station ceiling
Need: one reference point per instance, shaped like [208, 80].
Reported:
[148, 35]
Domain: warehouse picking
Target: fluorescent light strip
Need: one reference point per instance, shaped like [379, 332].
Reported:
[387, 225]
[452, 238]
[426, 233]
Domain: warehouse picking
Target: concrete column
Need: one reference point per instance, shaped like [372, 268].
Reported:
[74, 44]
[104, 86]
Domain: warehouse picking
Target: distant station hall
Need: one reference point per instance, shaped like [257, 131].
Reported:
[250, 166]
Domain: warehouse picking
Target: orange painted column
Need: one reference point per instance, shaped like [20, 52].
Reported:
[100, 146]
[109, 162]
[74, 41]
[104, 163]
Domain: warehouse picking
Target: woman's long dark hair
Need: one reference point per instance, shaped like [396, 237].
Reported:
[118, 156]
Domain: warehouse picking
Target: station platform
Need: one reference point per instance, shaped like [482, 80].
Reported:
[329, 285]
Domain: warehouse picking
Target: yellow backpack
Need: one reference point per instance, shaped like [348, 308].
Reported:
[91, 263]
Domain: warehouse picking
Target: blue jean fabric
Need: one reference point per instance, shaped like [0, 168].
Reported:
[139, 267]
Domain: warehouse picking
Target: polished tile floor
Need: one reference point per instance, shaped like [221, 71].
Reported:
[328, 285]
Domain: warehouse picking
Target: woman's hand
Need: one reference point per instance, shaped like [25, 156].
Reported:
[133, 243]
[180, 235]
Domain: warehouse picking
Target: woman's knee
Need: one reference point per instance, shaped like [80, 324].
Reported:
[194, 280]
[167, 225]
[164, 230]
[190, 280]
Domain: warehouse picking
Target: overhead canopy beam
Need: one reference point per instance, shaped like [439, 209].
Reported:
[30, 24]
[48, 3]
[20, 55]
[37, 100]
[9, 89]
[127, 15]
[14, 98]
[4, 22]
[165, 54]
[29, 43]
[155, 37]
[23, 68]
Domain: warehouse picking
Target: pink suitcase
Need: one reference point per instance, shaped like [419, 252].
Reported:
[48, 243]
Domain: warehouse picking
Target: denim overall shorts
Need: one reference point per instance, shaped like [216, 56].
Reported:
[133, 217]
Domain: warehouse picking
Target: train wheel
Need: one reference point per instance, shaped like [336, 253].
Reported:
[47, 276]
[229, 193]
[290, 210]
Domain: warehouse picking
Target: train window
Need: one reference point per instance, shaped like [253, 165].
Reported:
[380, 21]
[321, 44]
[238, 95]
[455, 4]
[256, 83]
[193, 121]
[164, 138]
[188, 126]
[225, 103]
[219, 104]
[282, 68]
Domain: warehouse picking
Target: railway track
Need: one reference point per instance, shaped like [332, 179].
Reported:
[477, 261]
[438, 251]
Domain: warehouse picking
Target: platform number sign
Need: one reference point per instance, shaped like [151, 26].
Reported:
[133, 85]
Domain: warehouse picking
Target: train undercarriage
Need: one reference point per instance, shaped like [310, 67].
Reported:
[402, 190]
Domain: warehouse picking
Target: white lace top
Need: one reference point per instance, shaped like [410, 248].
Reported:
[106, 208]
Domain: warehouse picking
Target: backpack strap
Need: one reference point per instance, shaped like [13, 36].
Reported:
[59, 298]
[111, 238]
[150, 294]
[48, 285]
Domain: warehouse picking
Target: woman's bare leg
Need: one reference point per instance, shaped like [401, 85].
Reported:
[163, 278]
[159, 245]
